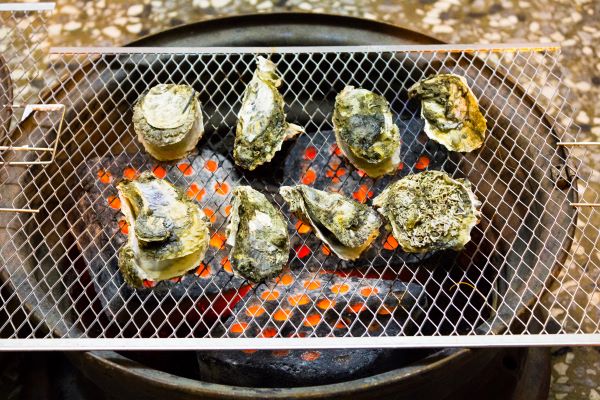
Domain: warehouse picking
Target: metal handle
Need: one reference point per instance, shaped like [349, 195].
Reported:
[581, 144]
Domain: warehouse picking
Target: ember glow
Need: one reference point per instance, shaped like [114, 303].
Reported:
[159, 172]
[114, 202]
[130, 173]
[196, 192]
[203, 271]
[104, 176]
[222, 188]
[422, 162]
[309, 177]
[186, 169]
[211, 165]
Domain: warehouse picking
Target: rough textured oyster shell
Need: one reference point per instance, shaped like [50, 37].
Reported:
[347, 226]
[258, 235]
[451, 112]
[365, 132]
[430, 211]
[168, 121]
[168, 233]
[261, 127]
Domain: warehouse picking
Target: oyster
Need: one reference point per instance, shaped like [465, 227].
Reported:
[168, 233]
[168, 121]
[451, 112]
[347, 226]
[430, 211]
[258, 235]
[365, 132]
[261, 126]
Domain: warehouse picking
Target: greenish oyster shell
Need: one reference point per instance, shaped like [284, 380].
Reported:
[168, 233]
[258, 235]
[261, 127]
[430, 211]
[451, 112]
[168, 121]
[346, 226]
[365, 131]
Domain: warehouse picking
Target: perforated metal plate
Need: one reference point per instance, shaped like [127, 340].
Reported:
[60, 265]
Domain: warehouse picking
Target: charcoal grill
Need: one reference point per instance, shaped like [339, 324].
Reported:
[59, 258]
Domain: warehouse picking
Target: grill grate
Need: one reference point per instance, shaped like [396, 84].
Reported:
[522, 275]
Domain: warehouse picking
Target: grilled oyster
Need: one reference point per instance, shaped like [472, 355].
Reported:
[168, 121]
[430, 211]
[347, 226]
[261, 127]
[365, 132]
[451, 112]
[168, 233]
[258, 235]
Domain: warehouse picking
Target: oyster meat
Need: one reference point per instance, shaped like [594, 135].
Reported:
[451, 112]
[258, 235]
[168, 233]
[261, 127]
[168, 121]
[430, 211]
[346, 226]
[365, 132]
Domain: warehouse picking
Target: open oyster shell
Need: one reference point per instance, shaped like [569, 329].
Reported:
[365, 132]
[258, 235]
[346, 226]
[451, 112]
[261, 127]
[430, 211]
[168, 121]
[168, 233]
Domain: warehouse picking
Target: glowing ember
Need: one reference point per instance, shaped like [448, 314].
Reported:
[104, 176]
[222, 188]
[210, 214]
[310, 355]
[385, 310]
[360, 172]
[400, 166]
[240, 327]
[309, 177]
[282, 314]
[130, 173]
[357, 307]
[326, 250]
[310, 153]
[340, 325]
[269, 295]
[390, 243]
[226, 264]
[217, 240]
[149, 284]
[196, 192]
[285, 280]
[335, 172]
[302, 251]
[186, 169]
[123, 227]
[368, 291]
[312, 320]
[114, 202]
[211, 165]
[312, 284]
[255, 311]
[203, 271]
[268, 332]
[362, 194]
[302, 228]
[422, 162]
[324, 304]
[249, 351]
[340, 289]
[334, 149]
[228, 208]
[298, 300]
[280, 353]
[159, 172]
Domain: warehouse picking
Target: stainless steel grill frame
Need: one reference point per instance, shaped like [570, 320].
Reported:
[519, 88]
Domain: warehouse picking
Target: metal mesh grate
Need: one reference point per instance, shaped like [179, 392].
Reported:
[516, 278]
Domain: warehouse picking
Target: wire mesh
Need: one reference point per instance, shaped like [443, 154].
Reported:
[521, 274]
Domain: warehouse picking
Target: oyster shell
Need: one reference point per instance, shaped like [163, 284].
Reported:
[430, 211]
[347, 226]
[451, 112]
[365, 132]
[261, 127]
[168, 233]
[168, 121]
[258, 235]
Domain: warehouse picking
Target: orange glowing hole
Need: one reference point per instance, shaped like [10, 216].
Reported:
[282, 314]
[302, 251]
[390, 243]
[228, 208]
[302, 228]
[312, 320]
[114, 202]
[222, 188]
[210, 214]
[104, 176]
[203, 271]
[130, 173]
[368, 291]
[400, 166]
[269, 295]
[285, 280]
[186, 169]
[217, 240]
[280, 353]
[196, 192]
[310, 355]
[249, 351]
[226, 264]
[238, 327]
[298, 300]
[385, 310]
[177, 279]
[360, 172]
[325, 250]
[211, 165]
[310, 153]
[335, 172]
[312, 284]
[340, 289]
[357, 307]
[159, 172]
[268, 332]
[362, 194]
[309, 177]
[340, 325]
[255, 311]
[325, 304]
[124, 227]
[148, 284]
[422, 162]
[335, 150]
